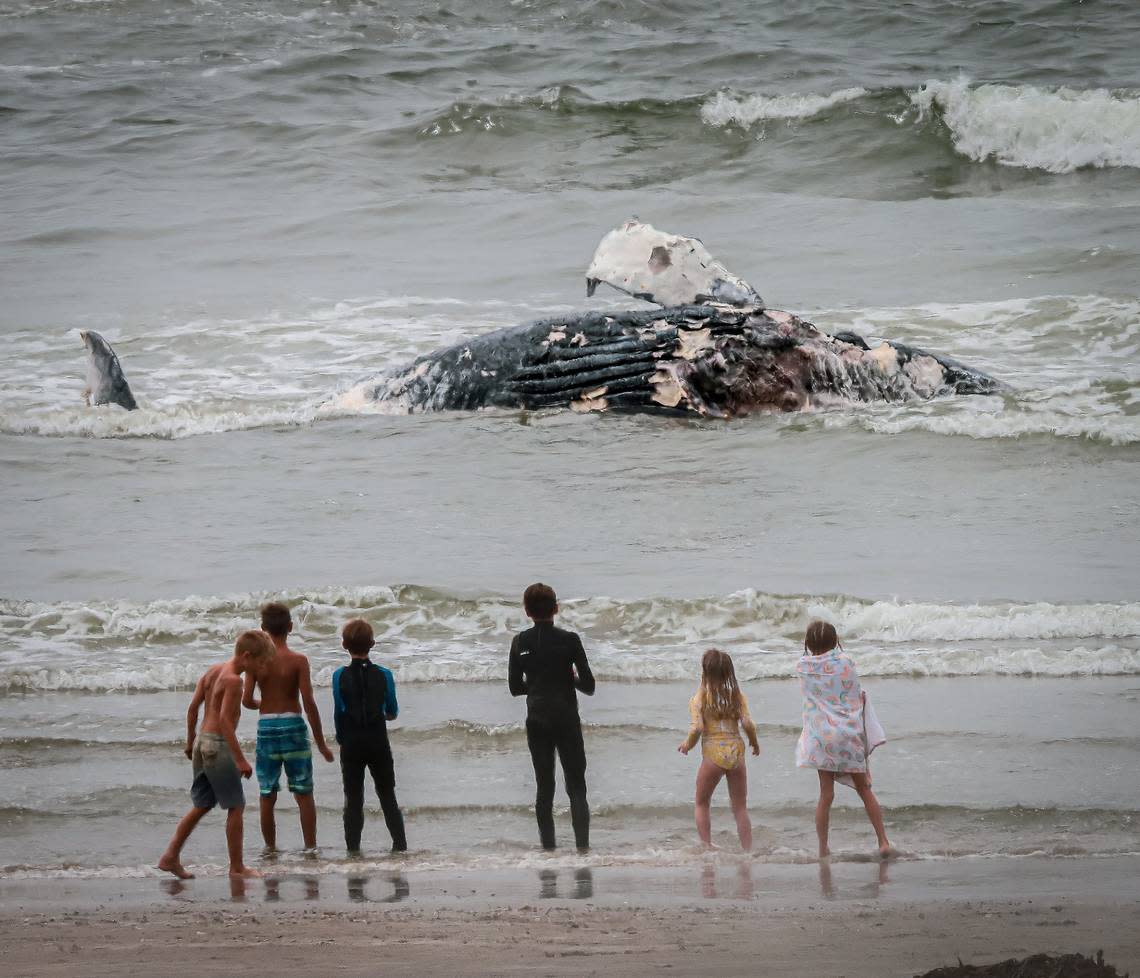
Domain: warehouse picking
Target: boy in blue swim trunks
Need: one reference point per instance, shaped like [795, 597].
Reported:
[219, 764]
[282, 738]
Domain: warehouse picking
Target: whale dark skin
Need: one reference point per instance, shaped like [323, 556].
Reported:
[716, 361]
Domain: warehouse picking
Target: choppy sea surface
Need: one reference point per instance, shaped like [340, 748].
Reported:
[259, 203]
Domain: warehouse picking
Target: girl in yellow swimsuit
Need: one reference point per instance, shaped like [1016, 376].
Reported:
[719, 711]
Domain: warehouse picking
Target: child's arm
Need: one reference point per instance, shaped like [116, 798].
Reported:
[696, 725]
[391, 707]
[248, 700]
[231, 707]
[192, 716]
[584, 678]
[305, 687]
[516, 681]
[748, 725]
[338, 706]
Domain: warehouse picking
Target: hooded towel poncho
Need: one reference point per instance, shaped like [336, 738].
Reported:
[840, 727]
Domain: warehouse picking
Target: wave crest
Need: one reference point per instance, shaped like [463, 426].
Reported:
[1057, 130]
[724, 108]
[429, 635]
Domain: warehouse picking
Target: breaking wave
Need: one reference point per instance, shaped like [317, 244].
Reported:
[429, 635]
[1056, 130]
[724, 108]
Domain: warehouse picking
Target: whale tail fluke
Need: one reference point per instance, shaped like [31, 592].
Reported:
[666, 269]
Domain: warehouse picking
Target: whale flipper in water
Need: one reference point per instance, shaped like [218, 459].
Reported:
[105, 381]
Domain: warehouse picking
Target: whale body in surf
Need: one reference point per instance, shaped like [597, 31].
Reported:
[714, 349]
[105, 381]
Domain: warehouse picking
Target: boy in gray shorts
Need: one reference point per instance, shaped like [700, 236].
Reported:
[215, 753]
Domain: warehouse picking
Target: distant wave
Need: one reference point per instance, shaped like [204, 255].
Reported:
[1057, 130]
[430, 635]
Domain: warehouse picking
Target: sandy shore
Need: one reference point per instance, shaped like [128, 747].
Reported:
[862, 922]
[856, 943]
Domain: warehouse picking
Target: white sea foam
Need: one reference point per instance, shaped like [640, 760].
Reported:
[1058, 130]
[724, 108]
[430, 635]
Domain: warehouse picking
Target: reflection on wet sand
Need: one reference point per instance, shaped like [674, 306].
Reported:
[583, 888]
[743, 887]
[357, 889]
[872, 890]
[311, 884]
[173, 888]
[239, 887]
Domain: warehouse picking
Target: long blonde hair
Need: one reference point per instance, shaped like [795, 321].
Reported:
[720, 693]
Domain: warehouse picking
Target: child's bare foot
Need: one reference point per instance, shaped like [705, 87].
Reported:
[169, 864]
[886, 851]
[824, 855]
[244, 873]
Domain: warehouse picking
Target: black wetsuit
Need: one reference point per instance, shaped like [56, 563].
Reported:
[364, 699]
[547, 664]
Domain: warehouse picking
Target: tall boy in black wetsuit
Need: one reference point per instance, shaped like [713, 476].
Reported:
[547, 664]
[364, 699]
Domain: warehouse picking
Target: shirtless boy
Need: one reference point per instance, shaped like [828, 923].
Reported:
[282, 740]
[219, 764]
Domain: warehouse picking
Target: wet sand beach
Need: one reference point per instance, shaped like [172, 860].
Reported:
[863, 920]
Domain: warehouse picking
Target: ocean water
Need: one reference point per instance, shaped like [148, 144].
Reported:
[260, 203]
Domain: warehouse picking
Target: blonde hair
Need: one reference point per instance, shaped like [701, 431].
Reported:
[255, 643]
[820, 638]
[720, 693]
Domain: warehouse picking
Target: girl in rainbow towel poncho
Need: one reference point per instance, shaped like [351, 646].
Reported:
[840, 730]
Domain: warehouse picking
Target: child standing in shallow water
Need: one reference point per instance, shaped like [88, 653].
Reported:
[718, 711]
[218, 763]
[834, 738]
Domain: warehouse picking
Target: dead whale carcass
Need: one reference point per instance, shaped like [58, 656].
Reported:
[713, 350]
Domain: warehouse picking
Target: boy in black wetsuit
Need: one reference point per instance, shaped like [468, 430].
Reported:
[548, 664]
[364, 699]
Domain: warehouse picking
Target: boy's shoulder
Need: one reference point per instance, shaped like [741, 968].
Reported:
[369, 664]
[293, 657]
[549, 627]
[226, 674]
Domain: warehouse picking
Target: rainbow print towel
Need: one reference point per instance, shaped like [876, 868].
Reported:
[840, 725]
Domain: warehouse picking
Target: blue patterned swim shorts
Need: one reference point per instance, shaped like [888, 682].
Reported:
[283, 741]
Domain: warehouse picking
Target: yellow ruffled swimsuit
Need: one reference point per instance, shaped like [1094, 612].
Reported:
[720, 737]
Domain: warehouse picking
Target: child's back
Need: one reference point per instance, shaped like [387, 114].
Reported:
[285, 689]
[364, 700]
[834, 740]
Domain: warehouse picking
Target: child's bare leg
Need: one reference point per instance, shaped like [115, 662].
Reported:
[874, 812]
[308, 809]
[235, 836]
[708, 777]
[171, 860]
[823, 810]
[268, 821]
[738, 798]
